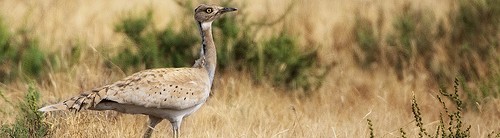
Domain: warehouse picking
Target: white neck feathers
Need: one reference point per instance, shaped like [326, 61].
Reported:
[206, 25]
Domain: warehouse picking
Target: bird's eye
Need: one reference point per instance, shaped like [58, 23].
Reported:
[209, 10]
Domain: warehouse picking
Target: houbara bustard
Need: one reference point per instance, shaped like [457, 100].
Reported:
[164, 93]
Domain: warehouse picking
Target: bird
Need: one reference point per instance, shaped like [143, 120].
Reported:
[162, 93]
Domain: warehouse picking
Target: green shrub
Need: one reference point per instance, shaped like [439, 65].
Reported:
[367, 40]
[412, 34]
[19, 55]
[413, 40]
[282, 57]
[451, 127]
[154, 48]
[410, 42]
[5, 49]
[32, 61]
[474, 42]
[465, 44]
[278, 57]
[29, 122]
[8, 54]
[487, 88]
[75, 54]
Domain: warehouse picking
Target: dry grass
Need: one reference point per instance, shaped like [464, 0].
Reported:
[237, 108]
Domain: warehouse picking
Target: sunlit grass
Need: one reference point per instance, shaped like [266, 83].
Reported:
[237, 108]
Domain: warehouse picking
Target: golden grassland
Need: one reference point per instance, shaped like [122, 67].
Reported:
[237, 107]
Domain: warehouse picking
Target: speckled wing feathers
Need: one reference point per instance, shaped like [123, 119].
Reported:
[172, 88]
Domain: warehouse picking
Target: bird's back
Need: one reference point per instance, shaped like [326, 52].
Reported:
[169, 88]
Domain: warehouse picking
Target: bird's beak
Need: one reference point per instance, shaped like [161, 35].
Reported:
[226, 9]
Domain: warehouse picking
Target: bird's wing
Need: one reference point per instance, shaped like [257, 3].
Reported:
[172, 88]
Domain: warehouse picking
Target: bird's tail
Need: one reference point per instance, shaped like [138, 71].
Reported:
[77, 103]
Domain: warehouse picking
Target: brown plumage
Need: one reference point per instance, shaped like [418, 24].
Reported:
[165, 93]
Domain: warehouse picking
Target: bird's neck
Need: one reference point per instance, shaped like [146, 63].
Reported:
[208, 53]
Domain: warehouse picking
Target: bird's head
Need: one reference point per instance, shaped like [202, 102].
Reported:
[208, 13]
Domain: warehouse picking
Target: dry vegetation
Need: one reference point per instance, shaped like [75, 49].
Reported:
[237, 107]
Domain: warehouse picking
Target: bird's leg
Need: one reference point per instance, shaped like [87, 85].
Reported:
[176, 133]
[176, 126]
[153, 121]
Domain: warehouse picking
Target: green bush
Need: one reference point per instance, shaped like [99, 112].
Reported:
[8, 54]
[19, 55]
[282, 57]
[367, 39]
[464, 44]
[474, 43]
[29, 122]
[487, 88]
[412, 39]
[154, 48]
[5, 49]
[470, 42]
[451, 127]
[279, 56]
[32, 61]
[410, 42]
